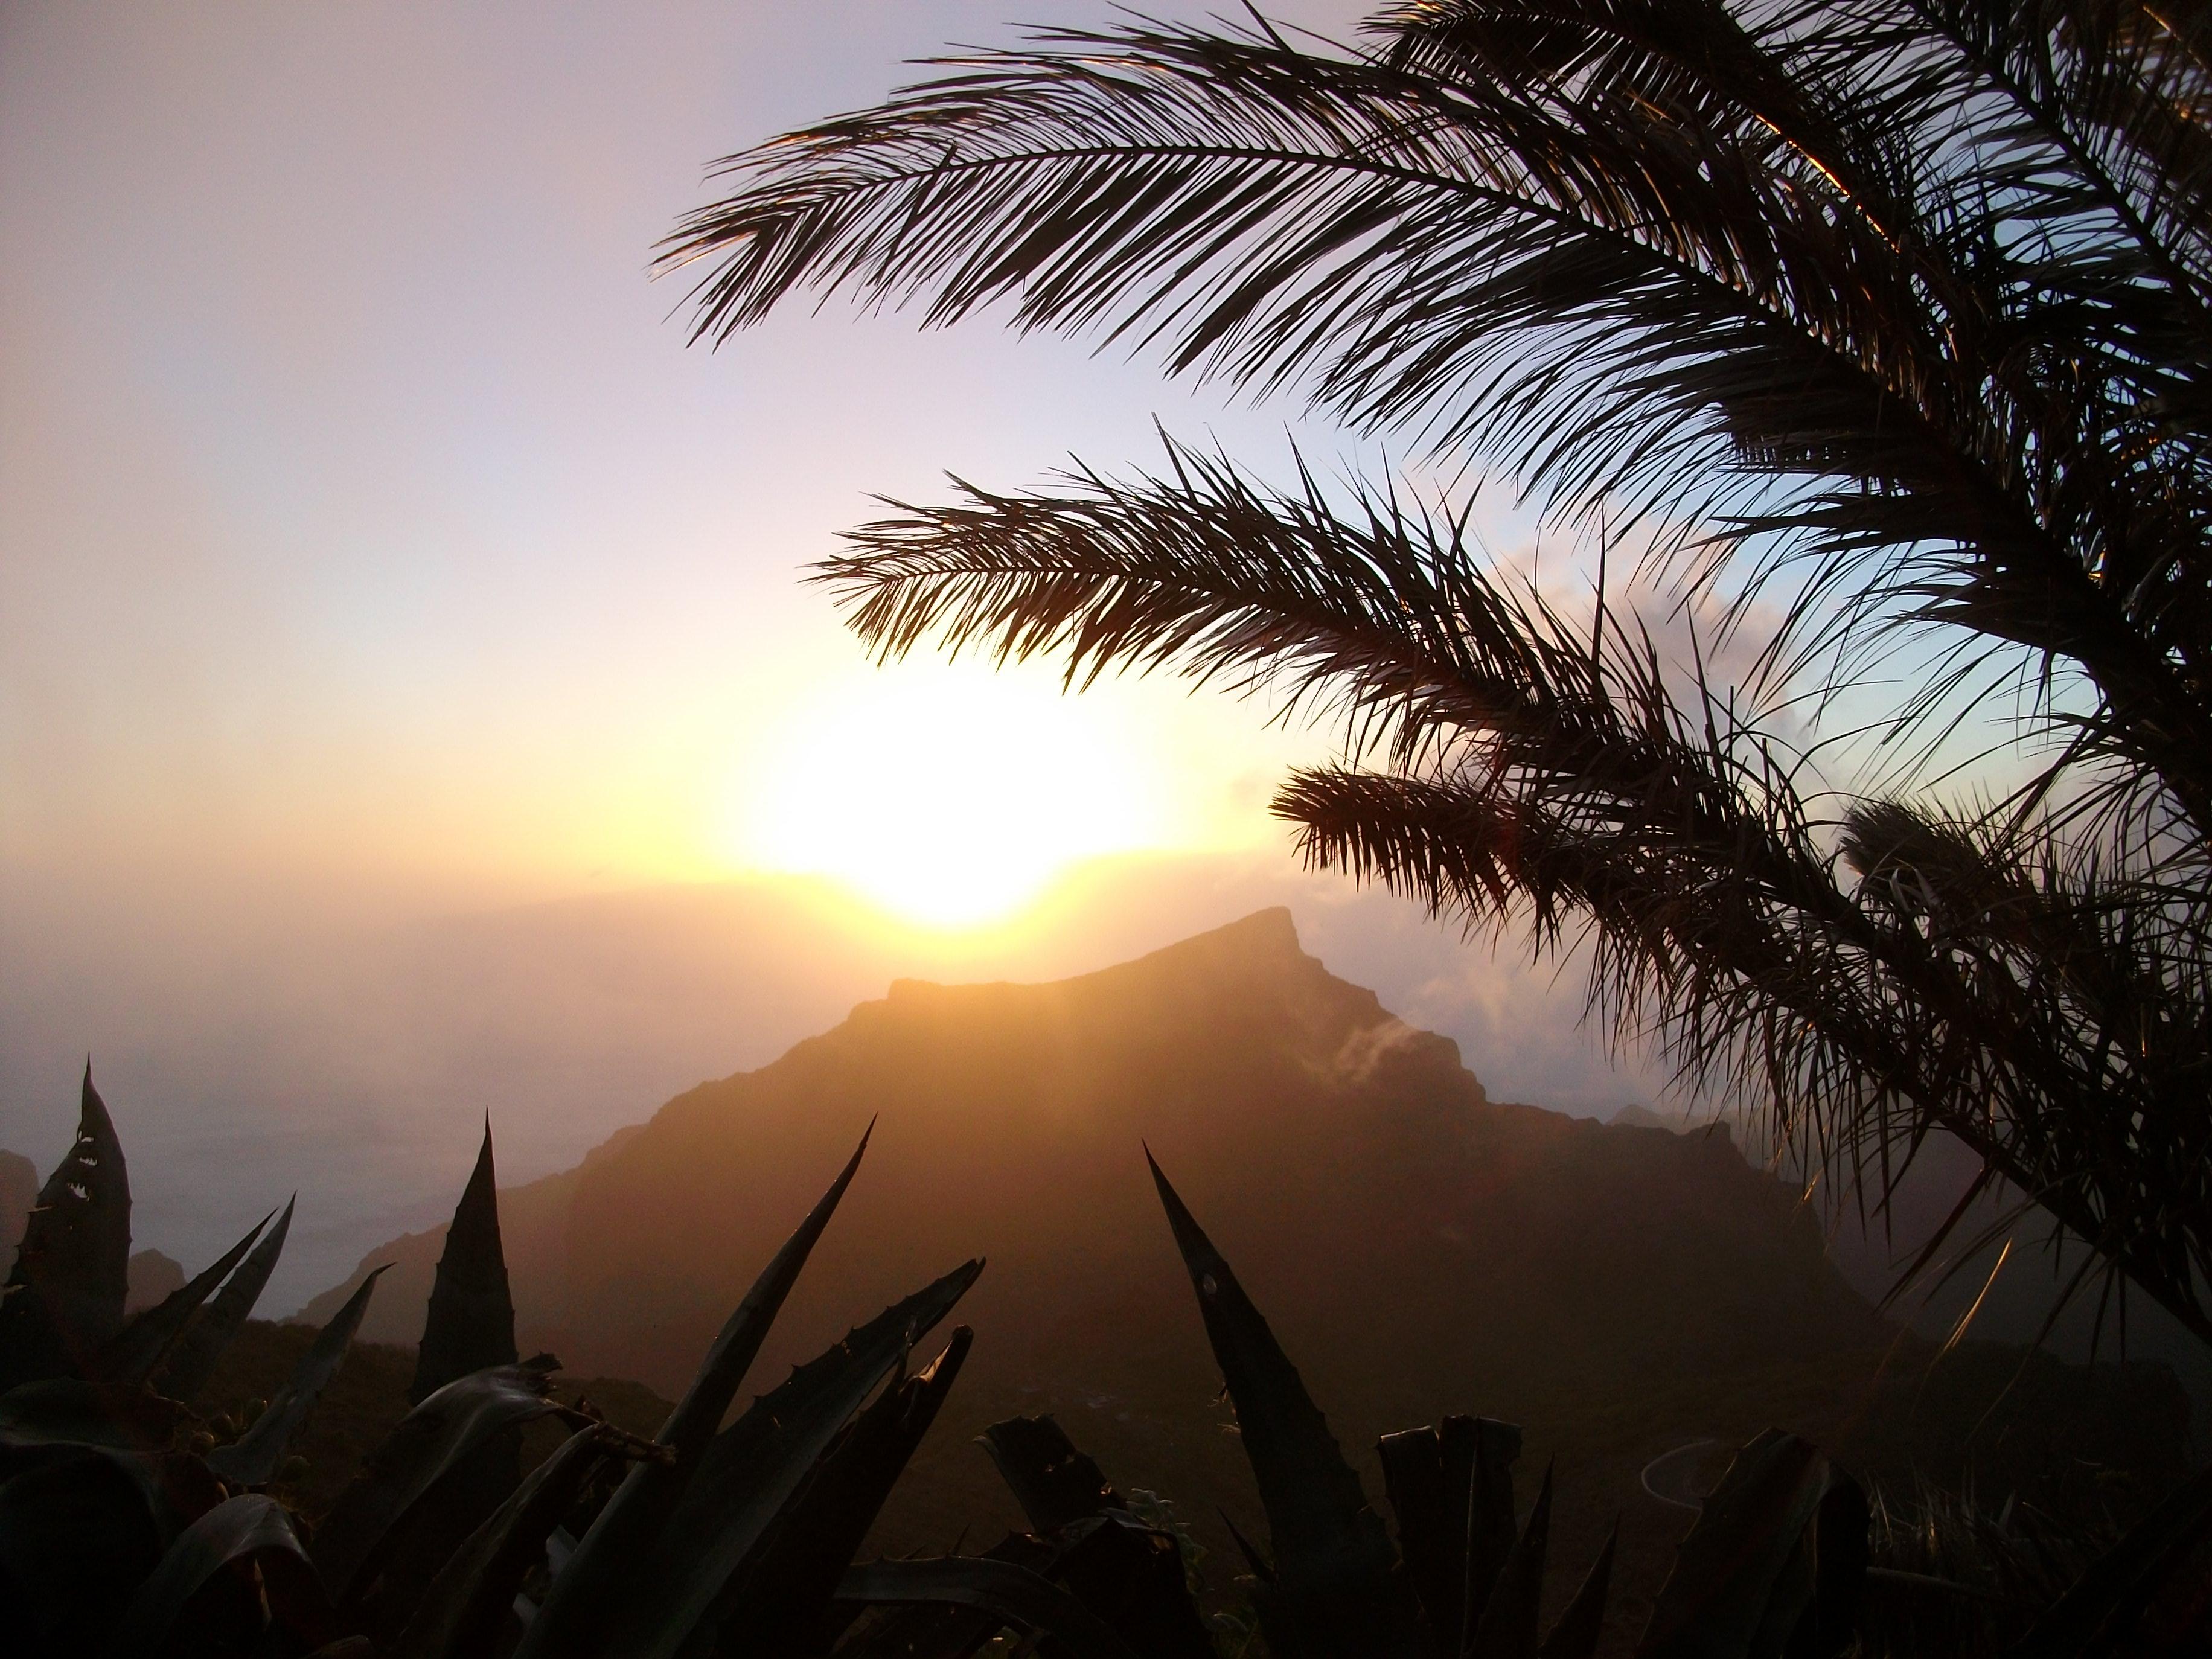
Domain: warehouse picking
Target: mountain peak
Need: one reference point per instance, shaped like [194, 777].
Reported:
[1270, 932]
[1262, 948]
[1265, 939]
[1257, 950]
[1350, 1151]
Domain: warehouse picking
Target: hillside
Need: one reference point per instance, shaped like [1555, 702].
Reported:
[2016, 1288]
[1360, 1167]
[1420, 1247]
[19, 1190]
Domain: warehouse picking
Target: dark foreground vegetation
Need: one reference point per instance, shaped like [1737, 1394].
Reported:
[1423, 1249]
[132, 1524]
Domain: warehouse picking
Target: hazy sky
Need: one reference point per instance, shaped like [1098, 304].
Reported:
[366, 514]
[373, 550]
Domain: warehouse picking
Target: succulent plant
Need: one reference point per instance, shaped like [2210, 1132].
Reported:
[118, 1538]
[129, 1529]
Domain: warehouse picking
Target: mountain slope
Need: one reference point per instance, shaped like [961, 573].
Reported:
[1361, 1165]
[1419, 1247]
[19, 1191]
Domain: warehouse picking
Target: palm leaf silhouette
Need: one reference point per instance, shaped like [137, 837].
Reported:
[1886, 327]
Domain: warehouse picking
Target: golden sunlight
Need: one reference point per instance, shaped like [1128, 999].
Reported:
[951, 796]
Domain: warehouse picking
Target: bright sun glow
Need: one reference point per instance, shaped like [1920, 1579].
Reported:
[950, 796]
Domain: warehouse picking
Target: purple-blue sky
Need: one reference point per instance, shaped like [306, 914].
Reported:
[382, 579]
[365, 510]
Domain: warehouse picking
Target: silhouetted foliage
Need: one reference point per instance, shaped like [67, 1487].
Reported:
[64, 1295]
[118, 1536]
[471, 1321]
[1899, 312]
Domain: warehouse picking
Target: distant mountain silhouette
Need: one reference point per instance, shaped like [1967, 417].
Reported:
[1635, 1115]
[152, 1275]
[1362, 1168]
[19, 1191]
[2012, 1284]
[1419, 1247]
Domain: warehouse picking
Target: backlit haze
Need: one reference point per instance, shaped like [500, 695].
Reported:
[409, 703]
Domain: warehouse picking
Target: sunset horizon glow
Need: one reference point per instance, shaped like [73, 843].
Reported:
[407, 552]
[953, 796]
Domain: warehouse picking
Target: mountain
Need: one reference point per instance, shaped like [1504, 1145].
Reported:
[349, 1039]
[1359, 1162]
[1419, 1247]
[19, 1191]
[1998, 1273]
[150, 1277]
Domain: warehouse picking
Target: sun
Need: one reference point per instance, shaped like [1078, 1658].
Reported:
[949, 795]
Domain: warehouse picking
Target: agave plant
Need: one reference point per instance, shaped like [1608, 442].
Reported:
[1774, 1562]
[1774, 1566]
[1091, 1575]
[117, 1539]
[1778, 1551]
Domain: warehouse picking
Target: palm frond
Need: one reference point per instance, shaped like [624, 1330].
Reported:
[1387, 618]
[1817, 286]
[1865, 978]
[1858, 1025]
[1898, 310]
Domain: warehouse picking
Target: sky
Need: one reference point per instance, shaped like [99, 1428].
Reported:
[409, 701]
[367, 514]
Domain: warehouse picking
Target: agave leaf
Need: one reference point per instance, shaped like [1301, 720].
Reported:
[80, 1526]
[1055, 1485]
[1132, 1576]
[916, 1630]
[1432, 1526]
[470, 1324]
[1263, 1570]
[584, 1594]
[750, 1472]
[2150, 1565]
[932, 1630]
[461, 1612]
[72, 1269]
[248, 1526]
[1508, 1626]
[1010, 1592]
[1336, 1582]
[192, 1360]
[781, 1599]
[1745, 1571]
[692, 1426]
[1789, 1599]
[64, 1411]
[131, 1355]
[252, 1460]
[90, 1455]
[398, 1486]
[1451, 1488]
[1486, 1451]
[1128, 1574]
[1839, 1544]
[1576, 1636]
[929, 1630]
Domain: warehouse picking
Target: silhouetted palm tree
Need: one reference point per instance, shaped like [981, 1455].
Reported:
[1899, 311]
